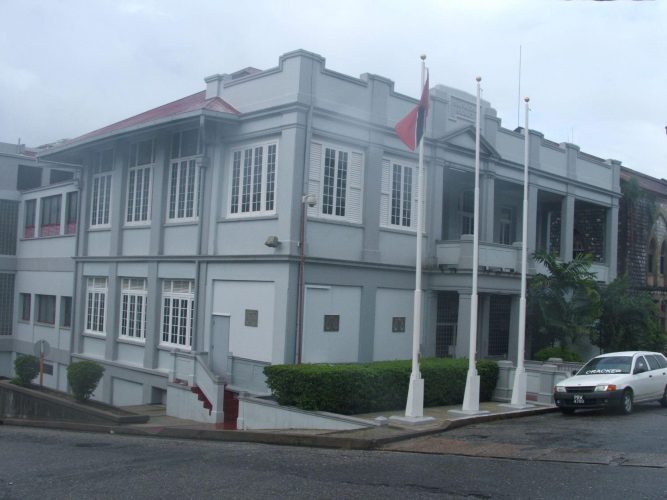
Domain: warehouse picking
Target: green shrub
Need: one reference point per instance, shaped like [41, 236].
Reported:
[360, 388]
[26, 368]
[83, 377]
[557, 352]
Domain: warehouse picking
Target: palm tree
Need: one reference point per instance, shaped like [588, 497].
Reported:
[563, 304]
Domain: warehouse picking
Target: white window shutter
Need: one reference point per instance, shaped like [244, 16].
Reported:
[416, 194]
[315, 176]
[385, 193]
[355, 191]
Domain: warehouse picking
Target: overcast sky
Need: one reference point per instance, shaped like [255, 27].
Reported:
[596, 72]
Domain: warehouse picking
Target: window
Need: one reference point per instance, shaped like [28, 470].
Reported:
[46, 309]
[184, 185]
[663, 256]
[505, 228]
[102, 166]
[96, 294]
[28, 177]
[336, 176]
[50, 217]
[398, 201]
[253, 182]
[25, 300]
[9, 224]
[56, 176]
[398, 324]
[178, 309]
[467, 212]
[29, 219]
[142, 157]
[133, 309]
[66, 312]
[71, 211]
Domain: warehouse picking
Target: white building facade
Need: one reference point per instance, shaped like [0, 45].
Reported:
[196, 220]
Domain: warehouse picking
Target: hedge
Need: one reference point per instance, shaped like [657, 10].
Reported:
[350, 389]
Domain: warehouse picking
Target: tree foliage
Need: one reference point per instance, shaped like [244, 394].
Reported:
[564, 304]
[628, 320]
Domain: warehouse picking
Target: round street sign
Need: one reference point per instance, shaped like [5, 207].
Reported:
[42, 347]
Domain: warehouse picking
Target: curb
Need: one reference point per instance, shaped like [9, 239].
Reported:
[266, 437]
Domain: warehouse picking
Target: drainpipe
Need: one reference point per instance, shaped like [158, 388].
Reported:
[202, 164]
[298, 341]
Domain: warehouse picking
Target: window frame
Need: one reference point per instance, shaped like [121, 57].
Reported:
[338, 181]
[394, 201]
[253, 180]
[96, 305]
[65, 311]
[100, 206]
[46, 309]
[25, 305]
[139, 193]
[174, 325]
[50, 215]
[29, 212]
[133, 303]
[71, 211]
[184, 184]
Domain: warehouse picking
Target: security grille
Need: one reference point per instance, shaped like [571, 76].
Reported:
[6, 303]
[446, 322]
[499, 324]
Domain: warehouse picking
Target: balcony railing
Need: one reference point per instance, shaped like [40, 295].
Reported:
[457, 254]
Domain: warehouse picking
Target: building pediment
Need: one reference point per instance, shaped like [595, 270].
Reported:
[464, 139]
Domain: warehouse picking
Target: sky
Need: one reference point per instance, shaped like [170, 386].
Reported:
[594, 71]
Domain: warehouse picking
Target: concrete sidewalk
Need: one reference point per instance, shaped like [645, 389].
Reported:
[161, 425]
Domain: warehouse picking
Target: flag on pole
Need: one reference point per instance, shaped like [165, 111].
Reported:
[411, 128]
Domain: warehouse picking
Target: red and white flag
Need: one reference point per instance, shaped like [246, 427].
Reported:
[411, 128]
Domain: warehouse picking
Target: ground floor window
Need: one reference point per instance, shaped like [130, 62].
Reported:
[178, 309]
[96, 295]
[499, 324]
[446, 321]
[133, 298]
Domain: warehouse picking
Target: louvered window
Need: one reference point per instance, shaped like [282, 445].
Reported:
[336, 177]
[253, 182]
[398, 201]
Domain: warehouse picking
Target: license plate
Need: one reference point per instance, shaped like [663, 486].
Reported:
[578, 399]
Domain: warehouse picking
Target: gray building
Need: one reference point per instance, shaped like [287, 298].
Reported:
[38, 220]
[201, 219]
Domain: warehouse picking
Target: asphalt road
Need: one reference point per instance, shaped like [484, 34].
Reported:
[44, 464]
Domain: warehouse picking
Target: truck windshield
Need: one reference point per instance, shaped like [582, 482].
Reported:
[609, 365]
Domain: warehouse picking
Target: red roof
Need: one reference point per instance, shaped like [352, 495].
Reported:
[195, 102]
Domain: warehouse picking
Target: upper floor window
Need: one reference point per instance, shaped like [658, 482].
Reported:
[253, 182]
[29, 218]
[184, 183]
[50, 216]
[133, 304]
[336, 176]
[56, 176]
[101, 188]
[178, 309]
[96, 295]
[466, 212]
[506, 226]
[663, 256]
[28, 177]
[398, 203]
[71, 212]
[142, 157]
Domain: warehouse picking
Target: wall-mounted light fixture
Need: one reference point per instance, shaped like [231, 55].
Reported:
[272, 242]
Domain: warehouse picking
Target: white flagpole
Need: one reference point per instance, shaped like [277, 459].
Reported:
[519, 388]
[471, 395]
[414, 407]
